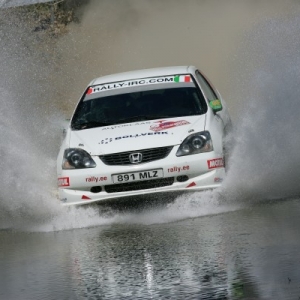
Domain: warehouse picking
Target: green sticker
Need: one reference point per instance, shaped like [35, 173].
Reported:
[216, 104]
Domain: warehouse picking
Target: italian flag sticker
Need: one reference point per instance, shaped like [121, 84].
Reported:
[182, 78]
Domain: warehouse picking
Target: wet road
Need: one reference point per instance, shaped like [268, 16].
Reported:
[252, 253]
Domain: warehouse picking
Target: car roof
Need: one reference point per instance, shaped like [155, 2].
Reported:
[166, 71]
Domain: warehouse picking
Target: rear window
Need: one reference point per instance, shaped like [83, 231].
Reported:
[138, 100]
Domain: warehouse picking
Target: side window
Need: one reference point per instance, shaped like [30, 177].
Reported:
[207, 90]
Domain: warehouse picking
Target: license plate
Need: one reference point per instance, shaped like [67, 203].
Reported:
[137, 176]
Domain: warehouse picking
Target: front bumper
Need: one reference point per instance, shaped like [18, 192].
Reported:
[186, 173]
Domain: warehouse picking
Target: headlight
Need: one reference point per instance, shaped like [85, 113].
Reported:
[196, 143]
[77, 159]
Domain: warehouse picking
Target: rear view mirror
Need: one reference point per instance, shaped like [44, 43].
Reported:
[216, 105]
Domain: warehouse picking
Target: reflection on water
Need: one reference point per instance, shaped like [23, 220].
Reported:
[247, 254]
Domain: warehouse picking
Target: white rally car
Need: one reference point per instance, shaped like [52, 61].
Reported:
[140, 132]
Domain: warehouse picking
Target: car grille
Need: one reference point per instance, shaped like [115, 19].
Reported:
[122, 158]
[140, 185]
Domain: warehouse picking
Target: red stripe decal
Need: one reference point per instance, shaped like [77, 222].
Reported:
[191, 184]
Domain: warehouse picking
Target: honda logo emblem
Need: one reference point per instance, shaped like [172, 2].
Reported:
[135, 158]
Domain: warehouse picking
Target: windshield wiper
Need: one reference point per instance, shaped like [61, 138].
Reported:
[90, 124]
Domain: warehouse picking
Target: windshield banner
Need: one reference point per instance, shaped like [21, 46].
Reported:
[136, 82]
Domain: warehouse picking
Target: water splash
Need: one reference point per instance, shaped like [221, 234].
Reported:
[265, 160]
[264, 97]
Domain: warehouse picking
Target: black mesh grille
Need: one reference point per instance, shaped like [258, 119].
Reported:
[140, 185]
[122, 158]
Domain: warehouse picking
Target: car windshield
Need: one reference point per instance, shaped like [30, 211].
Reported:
[138, 105]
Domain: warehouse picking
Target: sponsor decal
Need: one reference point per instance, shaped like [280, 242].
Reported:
[106, 141]
[137, 82]
[109, 140]
[125, 125]
[162, 125]
[63, 181]
[84, 197]
[178, 169]
[96, 179]
[215, 163]
[218, 179]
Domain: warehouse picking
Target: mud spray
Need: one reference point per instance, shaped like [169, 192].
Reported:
[248, 49]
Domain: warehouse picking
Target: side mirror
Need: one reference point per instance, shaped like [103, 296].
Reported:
[216, 105]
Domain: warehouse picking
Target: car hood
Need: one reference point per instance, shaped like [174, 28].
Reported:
[137, 135]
